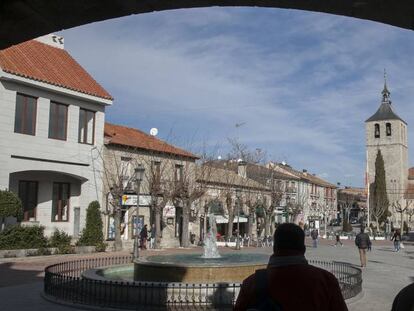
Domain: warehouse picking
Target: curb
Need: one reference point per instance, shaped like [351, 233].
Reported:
[356, 298]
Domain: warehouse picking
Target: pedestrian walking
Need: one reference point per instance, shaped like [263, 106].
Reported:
[152, 236]
[338, 240]
[143, 236]
[314, 235]
[289, 282]
[397, 240]
[362, 241]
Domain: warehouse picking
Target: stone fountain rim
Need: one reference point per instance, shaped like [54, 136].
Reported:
[94, 274]
[144, 261]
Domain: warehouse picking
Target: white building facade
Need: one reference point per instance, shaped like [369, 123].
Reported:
[52, 122]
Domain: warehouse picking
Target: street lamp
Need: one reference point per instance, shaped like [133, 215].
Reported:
[138, 177]
[238, 192]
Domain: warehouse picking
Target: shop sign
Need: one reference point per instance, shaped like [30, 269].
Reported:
[169, 211]
[131, 199]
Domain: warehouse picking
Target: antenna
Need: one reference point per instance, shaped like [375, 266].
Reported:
[154, 131]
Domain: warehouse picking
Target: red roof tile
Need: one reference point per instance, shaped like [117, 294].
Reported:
[130, 137]
[41, 62]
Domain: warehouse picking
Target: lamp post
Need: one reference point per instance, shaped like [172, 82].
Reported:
[138, 176]
[238, 191]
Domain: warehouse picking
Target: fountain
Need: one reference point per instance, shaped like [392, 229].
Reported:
[211, 267]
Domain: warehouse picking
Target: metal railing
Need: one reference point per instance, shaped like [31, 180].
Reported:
[63, 282]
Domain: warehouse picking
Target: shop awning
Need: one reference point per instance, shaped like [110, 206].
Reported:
[224, 220]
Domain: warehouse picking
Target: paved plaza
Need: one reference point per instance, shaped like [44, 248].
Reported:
[386, 273]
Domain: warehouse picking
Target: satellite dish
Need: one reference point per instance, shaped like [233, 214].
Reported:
[154, 131]
[219, 157]
[283, 163]
[239, 160]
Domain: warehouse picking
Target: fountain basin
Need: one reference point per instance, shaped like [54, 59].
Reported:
[192, 268]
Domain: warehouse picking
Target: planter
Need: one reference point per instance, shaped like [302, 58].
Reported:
[379, 238]
[84, 249]
[14, 253]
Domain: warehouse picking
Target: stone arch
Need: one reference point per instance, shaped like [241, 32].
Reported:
[21, 20]
[377, 130]
[388, 131]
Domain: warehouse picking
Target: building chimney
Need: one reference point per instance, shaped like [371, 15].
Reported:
[53, 40]
[242, 168]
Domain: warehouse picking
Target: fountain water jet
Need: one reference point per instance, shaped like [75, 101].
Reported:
[210, 241]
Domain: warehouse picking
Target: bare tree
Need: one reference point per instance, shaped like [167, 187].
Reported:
[243, 152]
[410, 213]
[118, 178]
[402, 208]
[188, 190]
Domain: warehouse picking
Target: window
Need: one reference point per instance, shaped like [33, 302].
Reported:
[388, 129]
[178, 172]
[86, 133]
[25, 115]
[28, 196]
[58, 118]
[60, 201]
[377, 131]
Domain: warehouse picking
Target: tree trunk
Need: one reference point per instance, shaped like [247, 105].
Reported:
[377, 223]
[250, 228]
[229, 226]
[185, 241]
[117, 223]
[157, 227]
[268, 222]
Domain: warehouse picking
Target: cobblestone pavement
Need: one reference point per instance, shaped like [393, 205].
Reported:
[386, 274]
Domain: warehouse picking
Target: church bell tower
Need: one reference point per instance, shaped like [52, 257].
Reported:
[387, 132]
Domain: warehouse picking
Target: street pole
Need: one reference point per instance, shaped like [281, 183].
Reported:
[139, 172]
[238, 220]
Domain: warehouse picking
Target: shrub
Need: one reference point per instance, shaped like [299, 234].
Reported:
[18, 237]
[61, 240]
[92, 234]
[10, 205]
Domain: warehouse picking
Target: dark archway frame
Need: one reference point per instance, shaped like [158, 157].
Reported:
[21, 20]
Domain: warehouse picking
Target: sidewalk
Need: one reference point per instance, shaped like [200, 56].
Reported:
[386, 274]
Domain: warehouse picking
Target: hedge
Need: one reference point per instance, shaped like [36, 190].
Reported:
[22, 237]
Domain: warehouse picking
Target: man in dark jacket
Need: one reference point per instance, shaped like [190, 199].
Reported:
[289, 283]
[363, 242]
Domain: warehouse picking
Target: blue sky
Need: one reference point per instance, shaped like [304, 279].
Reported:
[303, 83]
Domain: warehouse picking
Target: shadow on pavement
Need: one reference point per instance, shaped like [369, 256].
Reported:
[12, 274]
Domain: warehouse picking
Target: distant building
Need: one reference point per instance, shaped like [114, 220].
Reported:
[317, 197]
[52, 124]
[127, 148]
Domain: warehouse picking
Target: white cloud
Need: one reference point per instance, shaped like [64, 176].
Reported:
[303, 82]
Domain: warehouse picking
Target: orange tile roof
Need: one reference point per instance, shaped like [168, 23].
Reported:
[130, 137]
[41, 62]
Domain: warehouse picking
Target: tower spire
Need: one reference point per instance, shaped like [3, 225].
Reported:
[385, 92]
